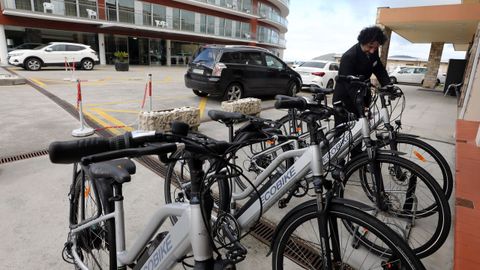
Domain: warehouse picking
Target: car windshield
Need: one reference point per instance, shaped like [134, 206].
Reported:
[313, 64]
[40, 47]
[206, 56]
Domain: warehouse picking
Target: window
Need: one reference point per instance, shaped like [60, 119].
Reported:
[333, 67]
[74, 48]
[228, 28]
[58, 48]
[253, 58]
[147, 13]
[313, 64]
[207, 24]
[111, 11]
[23, 4]
[176, 19]
[126, 11]
[273, 62]
[87, 9]
[188, 20]
[232, 58]
[420, 70]
[159, 14]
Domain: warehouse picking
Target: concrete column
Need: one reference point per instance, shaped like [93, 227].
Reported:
[3, 46]
[101, 48]
[433, 64]
[385, 47]
[169, 52]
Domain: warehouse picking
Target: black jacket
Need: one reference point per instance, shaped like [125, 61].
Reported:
[355, 62]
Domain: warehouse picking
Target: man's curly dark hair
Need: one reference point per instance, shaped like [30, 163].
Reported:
[371, 34]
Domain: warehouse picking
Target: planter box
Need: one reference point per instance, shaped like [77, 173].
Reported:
[161, 120]
[120, 66]
[250, 106]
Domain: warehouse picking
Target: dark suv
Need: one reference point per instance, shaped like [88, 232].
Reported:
[234, 72]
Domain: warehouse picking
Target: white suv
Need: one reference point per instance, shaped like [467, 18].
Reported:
[320, 73]
[54, 54]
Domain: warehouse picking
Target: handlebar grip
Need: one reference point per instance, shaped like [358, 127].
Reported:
[153, 149]
[284, 102]
[72, 151]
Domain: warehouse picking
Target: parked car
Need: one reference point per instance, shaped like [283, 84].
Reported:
[233, 72]
[317, 72]
[25, 46]
[412, 74]
[54, 54]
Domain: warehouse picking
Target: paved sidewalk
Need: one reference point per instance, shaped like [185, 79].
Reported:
[33, 192]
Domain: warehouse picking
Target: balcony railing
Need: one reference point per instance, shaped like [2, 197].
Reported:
[89, 10]
[234, 5]
[71, 8]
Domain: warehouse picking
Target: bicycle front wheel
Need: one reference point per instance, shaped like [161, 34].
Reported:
[95, 245]
[298, 242]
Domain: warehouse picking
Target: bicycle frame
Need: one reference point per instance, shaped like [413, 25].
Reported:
[270, 193]
[188, 233]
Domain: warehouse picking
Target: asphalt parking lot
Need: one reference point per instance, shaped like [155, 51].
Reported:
[33, 192]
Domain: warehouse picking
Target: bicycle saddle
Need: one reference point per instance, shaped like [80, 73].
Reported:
[225, 116]
[319, 90]
[107, 170]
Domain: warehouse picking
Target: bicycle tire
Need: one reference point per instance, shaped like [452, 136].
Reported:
[433, 164]
[286, 246]
[96, 244]
[431, 224]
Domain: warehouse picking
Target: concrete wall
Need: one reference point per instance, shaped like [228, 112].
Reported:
[472, 112]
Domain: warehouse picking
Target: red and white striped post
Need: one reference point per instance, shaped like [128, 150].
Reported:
[84, 130]
[150, 91]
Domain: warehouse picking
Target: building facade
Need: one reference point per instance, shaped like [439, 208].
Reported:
[153, 32]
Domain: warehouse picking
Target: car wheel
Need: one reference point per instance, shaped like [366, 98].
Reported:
[330, 84]
[234, 92]
[199, 93]
[33, 64]
[293, 89]
[87, 64]
[393, 80]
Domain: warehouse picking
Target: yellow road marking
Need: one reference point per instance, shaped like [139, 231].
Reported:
[120, 111]
[202, 105]
[100, 122]
[111, 119]
[38, 82]
[114, 103]
[167, 79]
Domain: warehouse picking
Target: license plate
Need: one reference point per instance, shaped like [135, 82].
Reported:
[197, 71]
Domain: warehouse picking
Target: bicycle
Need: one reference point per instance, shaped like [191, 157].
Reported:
[418, 150]
[195, 231]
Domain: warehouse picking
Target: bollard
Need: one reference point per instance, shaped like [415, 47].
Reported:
[72, 68]
[150, 91]
[84, 130]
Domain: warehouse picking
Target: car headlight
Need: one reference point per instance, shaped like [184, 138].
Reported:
[15, 54]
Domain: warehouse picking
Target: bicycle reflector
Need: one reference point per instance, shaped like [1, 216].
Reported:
[419, 156]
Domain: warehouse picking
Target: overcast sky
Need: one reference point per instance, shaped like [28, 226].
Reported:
[318, 27]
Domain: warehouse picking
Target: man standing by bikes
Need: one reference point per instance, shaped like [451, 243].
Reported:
[360, 60]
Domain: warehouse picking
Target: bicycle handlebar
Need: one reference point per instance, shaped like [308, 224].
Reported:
[286, 102]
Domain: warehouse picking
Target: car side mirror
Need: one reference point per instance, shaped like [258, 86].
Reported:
[48, 49]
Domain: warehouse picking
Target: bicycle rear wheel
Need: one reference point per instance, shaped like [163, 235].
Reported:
[95, 245]
[177, 185]
[427, 157]
[298, 242]
[416, 205]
